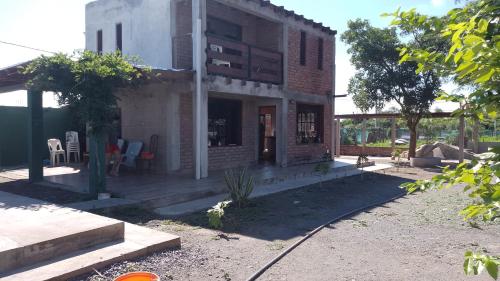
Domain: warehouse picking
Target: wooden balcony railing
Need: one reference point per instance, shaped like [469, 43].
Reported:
[242, 61]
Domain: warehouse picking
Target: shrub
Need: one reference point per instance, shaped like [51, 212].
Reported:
[240, 186]
[215, 215]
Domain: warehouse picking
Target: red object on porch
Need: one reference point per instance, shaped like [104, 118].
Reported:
[146, 155]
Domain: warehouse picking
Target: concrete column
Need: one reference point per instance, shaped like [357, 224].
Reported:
[282, 136]
[36, 141]
[475, 135]
[173, 147]
[461, 139]
[393, 133]
[285, 56]
[200, 94]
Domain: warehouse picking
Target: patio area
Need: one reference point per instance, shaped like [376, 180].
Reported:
[155, 191]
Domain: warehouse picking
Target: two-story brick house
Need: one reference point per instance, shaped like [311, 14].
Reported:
[262, 86]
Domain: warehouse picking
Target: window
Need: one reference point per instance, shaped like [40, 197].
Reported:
[303, 48]
[99, 41]
[320, 53]
[119, 37]
[309, 124]
[224, 122]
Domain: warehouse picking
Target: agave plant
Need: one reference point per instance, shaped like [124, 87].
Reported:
[240, 186]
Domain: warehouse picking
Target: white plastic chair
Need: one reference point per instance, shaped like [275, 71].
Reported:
[72, 145]
[55, 149]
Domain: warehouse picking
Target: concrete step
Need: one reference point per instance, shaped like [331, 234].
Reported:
[72, 265]
[33, 231]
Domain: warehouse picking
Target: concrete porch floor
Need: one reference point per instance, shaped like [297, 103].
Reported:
[157, 191]
[34, 246]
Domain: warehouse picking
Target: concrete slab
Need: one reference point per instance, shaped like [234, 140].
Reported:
[43, 241]
[208, 202]
[32, 231]
[69, 266]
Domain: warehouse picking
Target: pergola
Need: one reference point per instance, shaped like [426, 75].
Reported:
[393, 117]
[12, 80]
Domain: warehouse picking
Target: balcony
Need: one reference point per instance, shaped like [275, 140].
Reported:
[235, 59]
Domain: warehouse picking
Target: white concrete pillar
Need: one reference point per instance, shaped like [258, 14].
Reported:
[461, 139]
[282, 136]
[173, 133]
[200, 94]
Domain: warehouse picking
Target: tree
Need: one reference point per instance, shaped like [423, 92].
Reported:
[381, 79]
[87, 84]
[473, 61]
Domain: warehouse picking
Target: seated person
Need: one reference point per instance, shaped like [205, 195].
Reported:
[113, 157]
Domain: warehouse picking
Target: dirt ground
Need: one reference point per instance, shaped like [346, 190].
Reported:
[417, 237]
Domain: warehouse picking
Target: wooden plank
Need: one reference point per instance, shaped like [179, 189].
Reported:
[227, 57]
[266, 64]
[264, 77]
[264, 53]
[228, 44]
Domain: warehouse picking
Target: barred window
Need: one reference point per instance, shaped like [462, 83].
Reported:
[309, 124]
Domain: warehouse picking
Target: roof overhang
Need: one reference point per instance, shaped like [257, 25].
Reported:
[11, 79]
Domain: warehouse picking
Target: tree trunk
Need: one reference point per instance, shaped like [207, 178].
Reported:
[413, 142]
[97, 176]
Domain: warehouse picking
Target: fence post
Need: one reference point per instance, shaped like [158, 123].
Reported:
[393, 133]
[461, 139]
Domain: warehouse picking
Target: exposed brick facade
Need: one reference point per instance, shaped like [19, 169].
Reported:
[182, 41]
[304, 153]
[238, 156]
[308, 78]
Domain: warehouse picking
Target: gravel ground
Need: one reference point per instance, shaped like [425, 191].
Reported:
[418, 237]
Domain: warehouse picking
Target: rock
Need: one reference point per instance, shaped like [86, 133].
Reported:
[425, 150]
[436, 152]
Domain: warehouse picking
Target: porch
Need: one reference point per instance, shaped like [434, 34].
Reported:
[155, 191]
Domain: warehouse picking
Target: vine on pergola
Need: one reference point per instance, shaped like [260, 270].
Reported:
[86, 82]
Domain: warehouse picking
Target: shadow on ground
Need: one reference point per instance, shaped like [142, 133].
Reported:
[288, 214]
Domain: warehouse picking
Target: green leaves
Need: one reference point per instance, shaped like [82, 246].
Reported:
[85, 82]
[216, 214]
[474, 264]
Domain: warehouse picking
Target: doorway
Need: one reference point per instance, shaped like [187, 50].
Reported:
[267, 134]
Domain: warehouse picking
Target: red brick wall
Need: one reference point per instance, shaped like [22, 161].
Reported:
[355, 150]
[318, 82]
[303, 153]
[237, 156]
[186, 119]
[182, 42]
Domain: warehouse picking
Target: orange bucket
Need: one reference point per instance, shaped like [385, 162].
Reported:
[138, 276]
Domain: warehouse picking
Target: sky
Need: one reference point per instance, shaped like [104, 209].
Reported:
[59, 25]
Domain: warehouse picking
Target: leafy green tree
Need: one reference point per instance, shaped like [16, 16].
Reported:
[472, 61]
[86, 83]
[381, 79]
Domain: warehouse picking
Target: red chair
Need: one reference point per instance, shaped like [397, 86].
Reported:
[149, 156]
